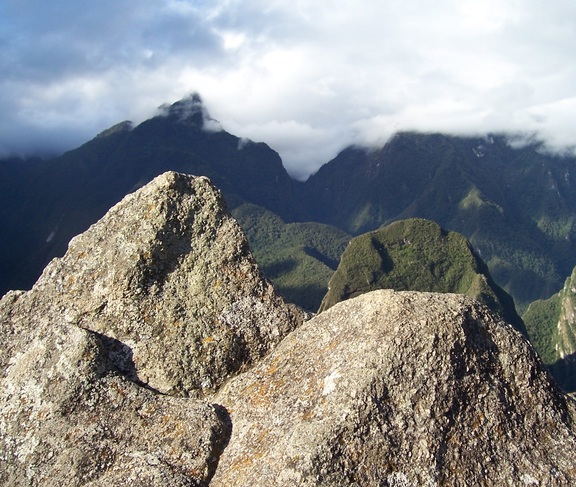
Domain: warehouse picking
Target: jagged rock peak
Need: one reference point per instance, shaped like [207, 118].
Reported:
[168, 273]
[161, 295]
[191, 111]
[399, 388]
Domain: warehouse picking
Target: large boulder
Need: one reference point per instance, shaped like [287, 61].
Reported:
[399, 388]
[67, 418]
[169, 274]
[161, 297]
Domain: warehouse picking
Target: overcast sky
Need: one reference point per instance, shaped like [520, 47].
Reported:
[308, 77]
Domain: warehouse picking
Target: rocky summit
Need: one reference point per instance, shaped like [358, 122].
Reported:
[399, 388]
[160, 298]
[155, 353]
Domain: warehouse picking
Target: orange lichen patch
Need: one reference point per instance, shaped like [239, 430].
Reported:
[149, 209]
[246, 462]
[477, 422]
[274, 366]
[208, 340]
[308, 414]
[217, 284]
[312, 387]
[334, 343]
[272, 369]
[261, 393]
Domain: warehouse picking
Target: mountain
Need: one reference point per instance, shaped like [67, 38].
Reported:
[45, 204]
[299, 258]
[551, 324]
[417, 255]
[516, 205]
[155, 353]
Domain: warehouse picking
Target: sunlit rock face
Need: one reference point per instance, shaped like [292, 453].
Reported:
[154, 353]
[399, 388]
[160, 298]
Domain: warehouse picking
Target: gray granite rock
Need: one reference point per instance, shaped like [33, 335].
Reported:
[161, 297]
[399, 388]
[168, 273]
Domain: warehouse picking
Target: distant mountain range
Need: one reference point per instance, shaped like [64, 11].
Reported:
[516, 205]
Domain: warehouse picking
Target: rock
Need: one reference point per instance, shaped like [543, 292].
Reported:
[399, 388]
[67, 419]
[161, 299]
[417, 255]
[168, 273]
[161, 296]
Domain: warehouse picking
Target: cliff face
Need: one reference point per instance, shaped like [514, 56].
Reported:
[161, 299]
[552, 327]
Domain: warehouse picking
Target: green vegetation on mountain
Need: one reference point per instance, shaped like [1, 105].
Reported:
[416, 255]
[299, 258]
[516, 205]
[551, 326]
[541, 320]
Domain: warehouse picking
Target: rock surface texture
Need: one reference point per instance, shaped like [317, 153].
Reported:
[399, 388]
[159, 297]
[155, 354]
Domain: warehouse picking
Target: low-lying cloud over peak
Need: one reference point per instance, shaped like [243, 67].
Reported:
[307, 77]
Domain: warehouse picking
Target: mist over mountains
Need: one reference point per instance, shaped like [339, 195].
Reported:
[515, 205]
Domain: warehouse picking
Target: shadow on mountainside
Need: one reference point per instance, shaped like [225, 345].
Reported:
[563, 372]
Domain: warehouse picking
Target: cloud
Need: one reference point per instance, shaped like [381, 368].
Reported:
[305, 76]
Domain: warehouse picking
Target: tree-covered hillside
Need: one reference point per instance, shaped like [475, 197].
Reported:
[515, 205]
[416, 255]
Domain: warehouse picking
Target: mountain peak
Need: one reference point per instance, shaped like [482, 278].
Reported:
[190, 110]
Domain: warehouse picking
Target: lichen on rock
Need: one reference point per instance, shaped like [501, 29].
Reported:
[399, 388]
[168, 273]
[160, 298]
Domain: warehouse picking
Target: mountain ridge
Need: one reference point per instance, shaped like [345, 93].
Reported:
[516, 205]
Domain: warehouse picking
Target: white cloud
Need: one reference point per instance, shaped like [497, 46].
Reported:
[305, 76]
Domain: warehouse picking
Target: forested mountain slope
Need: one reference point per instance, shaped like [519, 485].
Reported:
[515, 205]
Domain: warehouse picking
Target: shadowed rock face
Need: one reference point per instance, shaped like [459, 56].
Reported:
[399, 388]
[161, 295]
